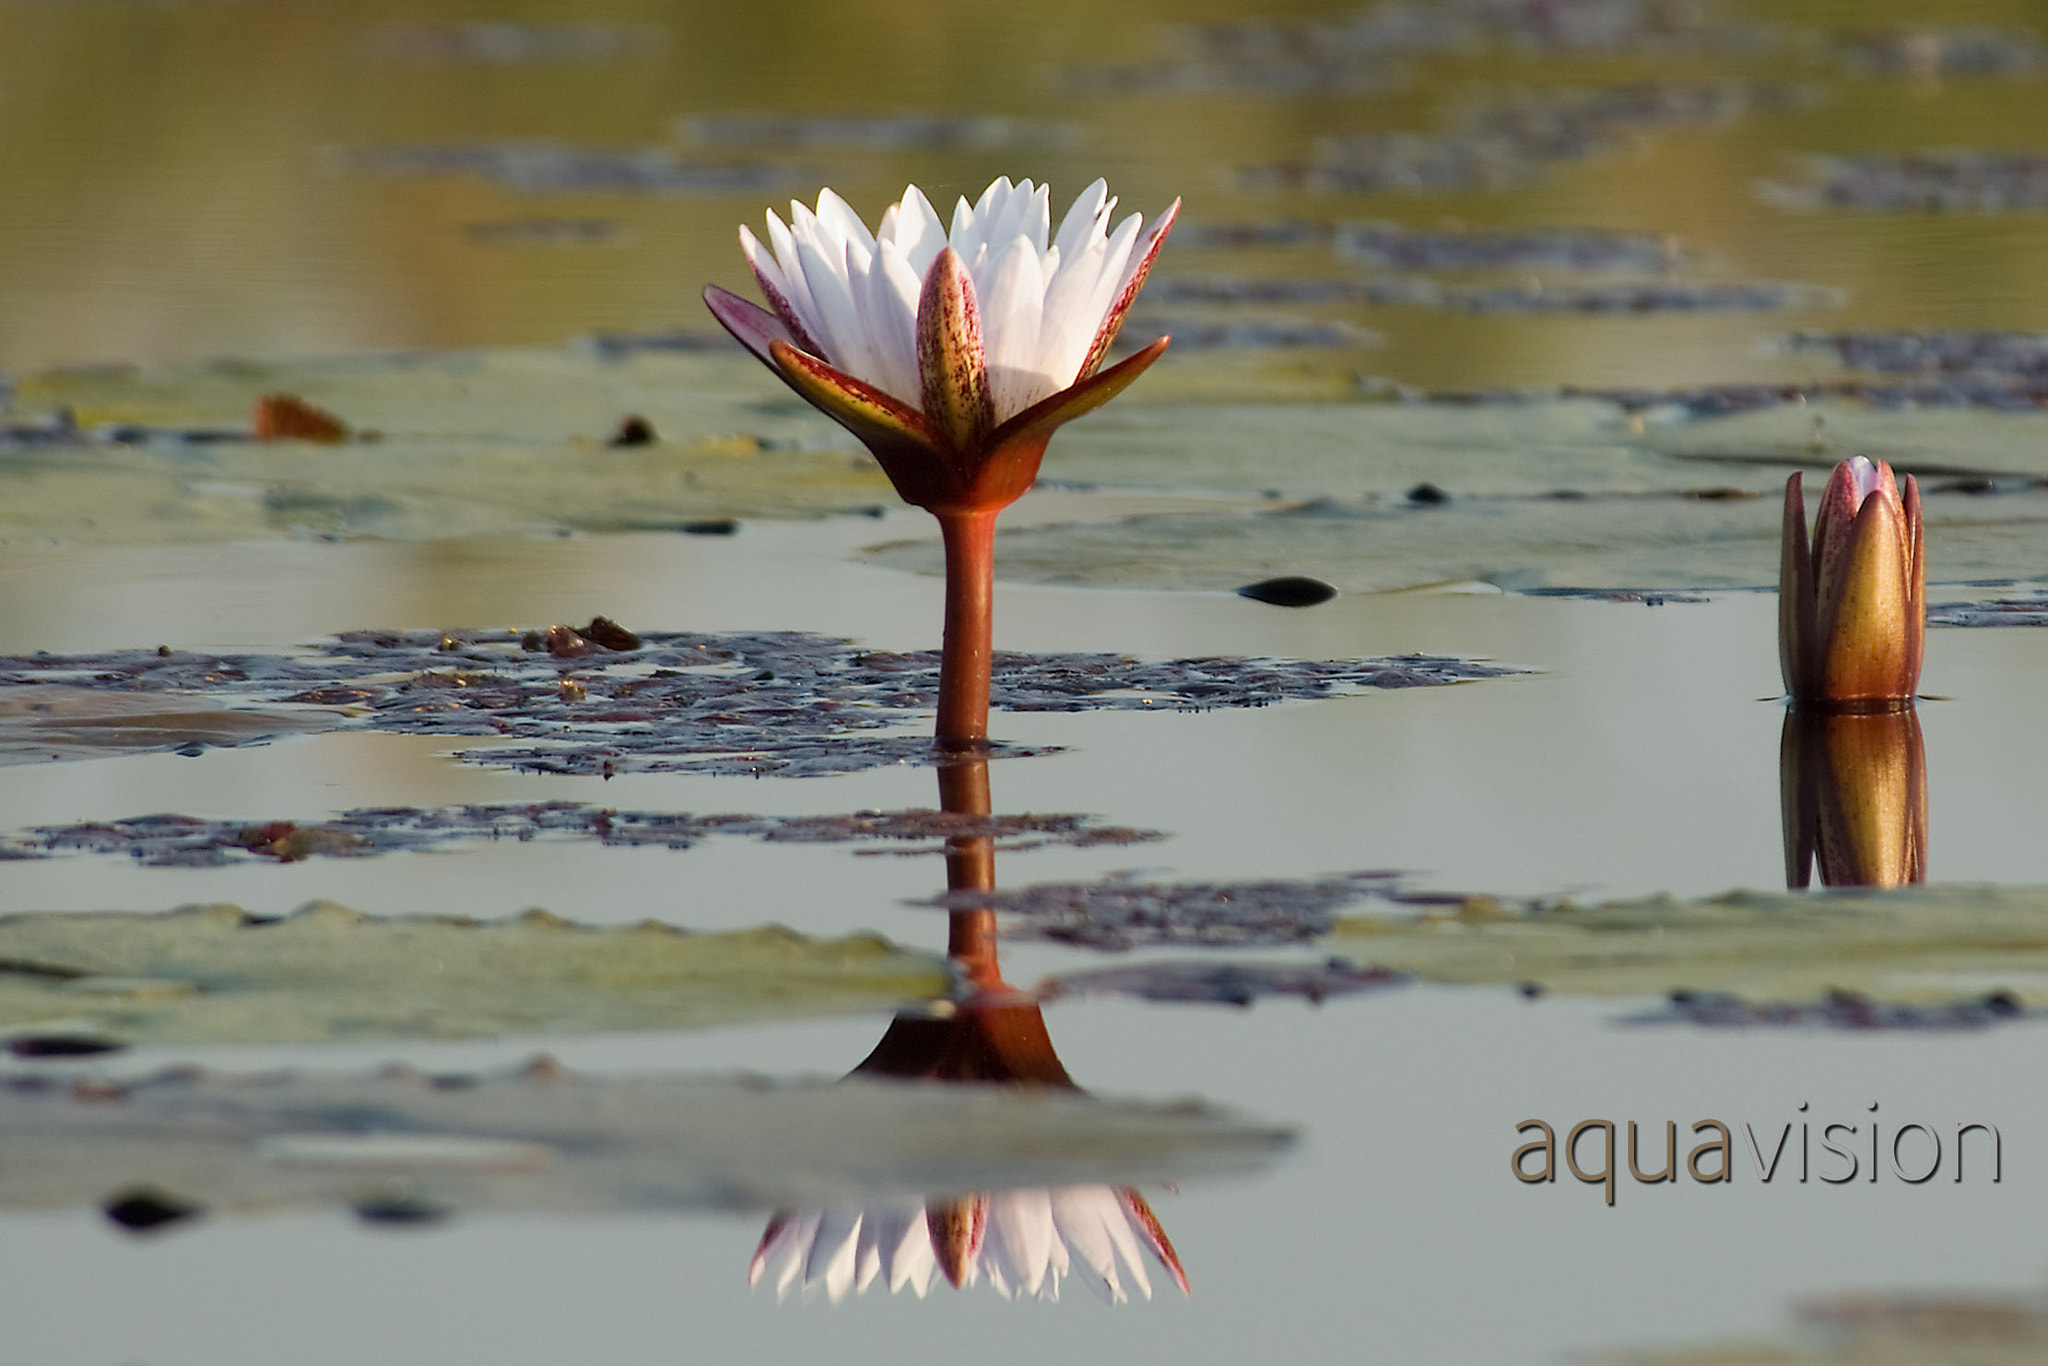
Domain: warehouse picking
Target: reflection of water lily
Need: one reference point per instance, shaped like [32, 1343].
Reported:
[1855, 798]
[1852, 608]
[1022, 1242]
[953, 354]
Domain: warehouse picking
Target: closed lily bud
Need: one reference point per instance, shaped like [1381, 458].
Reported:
[1854, 789]
[1852, 603]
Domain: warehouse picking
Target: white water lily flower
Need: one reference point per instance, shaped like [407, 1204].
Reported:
[1023, 1242]
[952, 351]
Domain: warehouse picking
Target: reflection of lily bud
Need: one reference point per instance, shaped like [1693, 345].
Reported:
[1855, 798]
[1023, 1242]
[1852, 609]
[1020, 1241]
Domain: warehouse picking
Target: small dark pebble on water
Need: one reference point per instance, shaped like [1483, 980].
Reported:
[400, 1210]
[716, 526]
[1428, 495]
[1293, 590]
[61, 1046]
[634, 431]
[144, 1210]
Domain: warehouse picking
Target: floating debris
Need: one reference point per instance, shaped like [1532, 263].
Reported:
[1648, 296]
[1363, 53]
[1392, 246]
[884, 133]
[782, 703]
[1925, 53]
[1506, 145]
[545, 232]
[1118, 914]
[1237, 984]
[1836, 1010]
[499, 43]
[1291, 590]
[287, 417]
[1926, 353]
[2028, 611]
[1261, 335]
[542, 167]
[1921, 182]
[192, 841]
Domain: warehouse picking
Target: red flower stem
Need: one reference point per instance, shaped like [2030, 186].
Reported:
[970, 540]
[970, 867]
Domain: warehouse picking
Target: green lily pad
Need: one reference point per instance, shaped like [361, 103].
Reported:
[1924, 945]
[214, 974]
[406, 1146]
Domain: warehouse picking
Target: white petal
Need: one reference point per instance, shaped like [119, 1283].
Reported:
[832, 1260]
[919, 232]
[1084, 222]
[1083, 1216]
[1020, 1238]
[792, 1246]
[786, 256]
[890, 308]
[838, 319]
[1011, 310]
[839, 216]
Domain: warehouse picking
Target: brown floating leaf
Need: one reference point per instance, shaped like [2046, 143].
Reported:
[287, 417]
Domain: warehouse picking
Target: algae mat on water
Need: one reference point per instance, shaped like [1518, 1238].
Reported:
[215, 974]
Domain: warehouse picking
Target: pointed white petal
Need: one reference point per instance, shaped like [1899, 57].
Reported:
[1021, 1238]
[837, 214]
[831, 1265]
[1084, 221]
[919, 232]
[786, 256]
[838, 319]
[1012, 308]
[1083, 1215]
[890, 308]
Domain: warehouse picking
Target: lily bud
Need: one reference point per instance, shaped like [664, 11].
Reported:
[1854, 788]
[1852, 604]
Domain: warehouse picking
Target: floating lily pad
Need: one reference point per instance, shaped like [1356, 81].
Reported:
[47, 722]
[1982, 947]
[782, 703]
[407, 1145]
[1119, 914]
[215, 974]
[1941, 1327]
[1237, 984]
[1709, 536]
[190, 841]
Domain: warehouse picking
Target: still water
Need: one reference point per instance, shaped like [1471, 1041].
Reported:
[203, 194]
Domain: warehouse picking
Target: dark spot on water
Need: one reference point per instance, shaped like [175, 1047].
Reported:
[1116, 914]
[62, 1046]
[1972, 486]
[723, 526]
[401, 1211]
[145, 1209]
[191, 749]
[633, 431]
[1427, 494]
[1293, 590]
